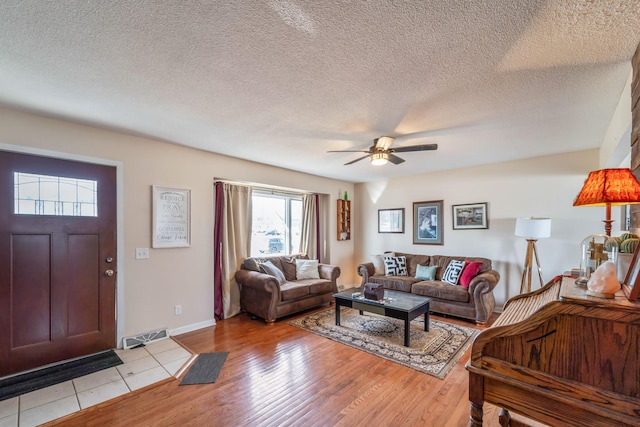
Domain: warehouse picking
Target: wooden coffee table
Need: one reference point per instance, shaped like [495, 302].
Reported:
[399, 305]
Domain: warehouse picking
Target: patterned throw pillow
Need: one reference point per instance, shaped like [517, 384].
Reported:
[270, 269]
[452, 273]
[395, 266]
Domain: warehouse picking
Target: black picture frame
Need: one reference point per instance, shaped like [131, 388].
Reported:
[391, 220]
[631, 284]
[470, 216]
[428, 223]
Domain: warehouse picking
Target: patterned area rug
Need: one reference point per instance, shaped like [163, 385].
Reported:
[433, 352]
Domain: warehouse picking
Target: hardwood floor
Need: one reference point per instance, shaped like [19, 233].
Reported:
[281, 375]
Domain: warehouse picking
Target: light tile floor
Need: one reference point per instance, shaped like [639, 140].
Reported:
[141, 367]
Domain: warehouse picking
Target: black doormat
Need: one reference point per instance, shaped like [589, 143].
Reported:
[205, 369]
[45, 377]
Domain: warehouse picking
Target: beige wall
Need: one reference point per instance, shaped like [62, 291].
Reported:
[149, 289]
[541, 187]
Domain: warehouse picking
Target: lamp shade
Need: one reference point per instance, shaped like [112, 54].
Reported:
[380, 158]
[609, 186]
[533, 228]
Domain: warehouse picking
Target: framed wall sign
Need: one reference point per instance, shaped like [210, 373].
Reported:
[631, 284]
[171, 225]
[391, 220]
[427, 223]
[466, 217]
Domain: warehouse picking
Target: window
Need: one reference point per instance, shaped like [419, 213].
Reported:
[54, 195]
[277, 223]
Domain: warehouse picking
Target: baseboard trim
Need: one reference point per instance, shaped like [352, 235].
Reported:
[192, 327]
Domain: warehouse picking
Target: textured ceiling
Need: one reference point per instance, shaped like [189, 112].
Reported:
[283, 81]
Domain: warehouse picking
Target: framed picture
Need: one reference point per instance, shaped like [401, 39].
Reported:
[467, 217]
[427, 223]
[171, 225]
[391, 220]
[631, 284]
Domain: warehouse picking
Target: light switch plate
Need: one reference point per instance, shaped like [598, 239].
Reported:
[142, 253]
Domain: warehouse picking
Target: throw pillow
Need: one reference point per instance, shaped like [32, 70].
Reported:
[289, 266]
[269, 268]
[426, 272]
[378, 264]
[307, 269]
[470, 271]
[395, 266]
[452, 273]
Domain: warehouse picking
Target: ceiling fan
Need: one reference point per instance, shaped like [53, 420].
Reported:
[381, 153]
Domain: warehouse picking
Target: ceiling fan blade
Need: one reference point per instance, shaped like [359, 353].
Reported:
[348, 151]
[357, 160]
[395, 159]
[423, 147]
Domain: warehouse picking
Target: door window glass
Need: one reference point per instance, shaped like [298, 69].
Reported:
[54, 195]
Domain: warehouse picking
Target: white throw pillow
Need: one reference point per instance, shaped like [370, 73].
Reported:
[378, 264]
[452, 273]
[307, 269]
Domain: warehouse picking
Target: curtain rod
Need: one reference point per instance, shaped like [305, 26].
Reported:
[263, 187]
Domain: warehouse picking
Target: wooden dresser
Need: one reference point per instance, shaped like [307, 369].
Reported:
[560, 357]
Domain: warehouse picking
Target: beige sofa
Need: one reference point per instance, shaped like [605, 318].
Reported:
[264, 296]
[475, 302]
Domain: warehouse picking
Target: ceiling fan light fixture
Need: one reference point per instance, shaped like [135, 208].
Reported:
[379, 159]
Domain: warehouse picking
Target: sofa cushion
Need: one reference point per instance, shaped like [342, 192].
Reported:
[470, 271]
[293, 290]
[441, 290]
[395, 266]
[289, 267]
[413, 261]
[253, 263]
[317, 286]
[307, 269]
[452, 273]
[267, 267]
[395, 283]
[426, 272]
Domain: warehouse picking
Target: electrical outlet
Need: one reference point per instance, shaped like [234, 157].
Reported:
[177, 310]
[142, 253]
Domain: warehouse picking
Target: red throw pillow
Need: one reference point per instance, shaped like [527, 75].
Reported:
[469, 272]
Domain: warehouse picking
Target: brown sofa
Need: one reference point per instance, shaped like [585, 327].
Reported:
[475, 302]
[262, 294]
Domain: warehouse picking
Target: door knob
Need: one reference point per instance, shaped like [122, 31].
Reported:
[108, 273]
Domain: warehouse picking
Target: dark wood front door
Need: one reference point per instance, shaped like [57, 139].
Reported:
[57, 260]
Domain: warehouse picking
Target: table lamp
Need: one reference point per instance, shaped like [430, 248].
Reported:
[609, 187]
[532, 229]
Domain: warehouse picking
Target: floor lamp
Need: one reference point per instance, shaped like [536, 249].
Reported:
[532, 229]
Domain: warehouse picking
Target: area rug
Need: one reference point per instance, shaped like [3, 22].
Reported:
[434, 352]
[205, 369]
[52, 375]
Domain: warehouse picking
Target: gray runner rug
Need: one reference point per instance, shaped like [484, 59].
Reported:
[205, 369]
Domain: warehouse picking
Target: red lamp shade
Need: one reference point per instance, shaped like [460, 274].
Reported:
[609, 187]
